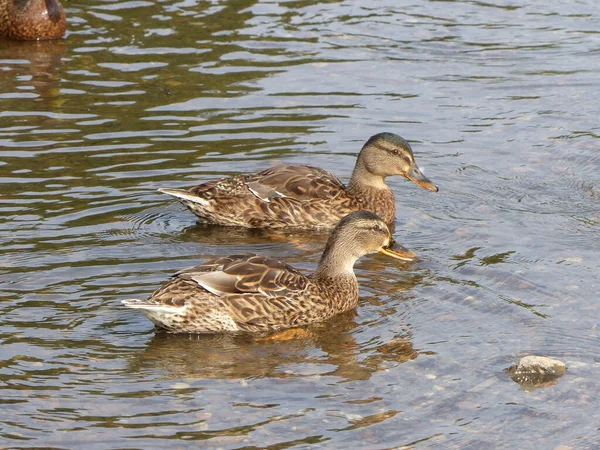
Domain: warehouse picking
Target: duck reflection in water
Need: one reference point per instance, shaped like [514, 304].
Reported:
[327, 349]
[42, 73]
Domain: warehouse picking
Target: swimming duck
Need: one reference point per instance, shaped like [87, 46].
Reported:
[251, 293]
[30, 20]
[305, 196]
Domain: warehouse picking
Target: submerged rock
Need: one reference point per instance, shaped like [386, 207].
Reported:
[533, 372]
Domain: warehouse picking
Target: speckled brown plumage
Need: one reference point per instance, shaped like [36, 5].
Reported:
[251, 293]
[31, 20]
[305, 196]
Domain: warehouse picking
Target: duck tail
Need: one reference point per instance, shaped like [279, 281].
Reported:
[182, 194]
[134, 303]
[146, 305]
[55, 11]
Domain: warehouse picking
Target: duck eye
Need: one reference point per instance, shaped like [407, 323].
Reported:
[376, 228]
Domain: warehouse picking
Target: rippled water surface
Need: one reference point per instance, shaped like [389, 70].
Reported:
[500, 103]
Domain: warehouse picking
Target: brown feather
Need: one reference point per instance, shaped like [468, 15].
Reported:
[258, 293]
[32, 19]
[305, 196]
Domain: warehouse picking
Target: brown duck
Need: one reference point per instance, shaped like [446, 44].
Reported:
[250, 293]
[30, 20]
[305, 196]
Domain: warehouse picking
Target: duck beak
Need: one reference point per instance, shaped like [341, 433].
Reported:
[416, 176]
[395, 250]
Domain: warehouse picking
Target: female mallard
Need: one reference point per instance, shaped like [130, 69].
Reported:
[305, 196]
[30, 20]
[253, 293]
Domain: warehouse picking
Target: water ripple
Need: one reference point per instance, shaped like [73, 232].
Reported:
[499, 104]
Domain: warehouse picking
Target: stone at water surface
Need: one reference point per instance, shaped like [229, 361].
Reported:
[533, 372]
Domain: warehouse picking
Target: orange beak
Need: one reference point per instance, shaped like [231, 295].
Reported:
[395, 250]
[416, 176]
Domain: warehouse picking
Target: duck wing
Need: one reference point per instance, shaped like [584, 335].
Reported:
[256, 292]
[298, 182]
[245, 274]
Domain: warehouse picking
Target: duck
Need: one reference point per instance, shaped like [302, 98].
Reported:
[250, 293]
[307, 197]
[30, 20]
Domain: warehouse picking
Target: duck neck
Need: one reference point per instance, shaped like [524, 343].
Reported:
[372, 191]
[336, 262]
[337, 281]
[362, 177]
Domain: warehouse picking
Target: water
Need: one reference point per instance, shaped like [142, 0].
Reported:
[500, 103]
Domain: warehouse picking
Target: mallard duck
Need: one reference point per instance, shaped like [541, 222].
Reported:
[30, 20]
[251, 293]
[305, 196]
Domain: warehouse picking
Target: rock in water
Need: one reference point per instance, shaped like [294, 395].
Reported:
[533, 372]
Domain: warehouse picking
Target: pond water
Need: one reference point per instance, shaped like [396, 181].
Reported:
[500, 102]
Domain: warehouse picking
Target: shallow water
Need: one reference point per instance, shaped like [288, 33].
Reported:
[500, 104]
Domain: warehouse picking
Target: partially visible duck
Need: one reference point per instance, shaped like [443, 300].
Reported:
[31, 20]
[250, 293]
[305, 196]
